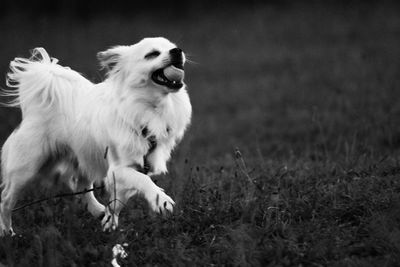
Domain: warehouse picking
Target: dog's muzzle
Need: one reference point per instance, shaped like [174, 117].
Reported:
[171, 75]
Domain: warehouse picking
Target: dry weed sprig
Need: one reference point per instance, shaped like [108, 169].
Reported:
[241, 164]
[114, 201]
[58, 196]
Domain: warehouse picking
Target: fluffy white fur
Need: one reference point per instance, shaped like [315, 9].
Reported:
[64, 113]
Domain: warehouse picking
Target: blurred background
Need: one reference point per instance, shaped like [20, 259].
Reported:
[276, 79]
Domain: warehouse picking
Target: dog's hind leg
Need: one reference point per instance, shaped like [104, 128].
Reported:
[77, 181]
[93, 205]
[22, 156]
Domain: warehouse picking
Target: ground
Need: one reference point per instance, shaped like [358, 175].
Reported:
[292, 158]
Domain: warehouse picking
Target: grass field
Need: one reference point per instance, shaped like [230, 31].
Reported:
[292, 158]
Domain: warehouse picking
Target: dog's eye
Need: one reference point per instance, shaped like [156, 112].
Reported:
[152, 54]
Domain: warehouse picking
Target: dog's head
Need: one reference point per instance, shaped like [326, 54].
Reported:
[152, 64]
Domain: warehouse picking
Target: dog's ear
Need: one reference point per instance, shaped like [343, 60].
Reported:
[110, 58]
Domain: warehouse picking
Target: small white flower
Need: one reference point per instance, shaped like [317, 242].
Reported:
[118, 250]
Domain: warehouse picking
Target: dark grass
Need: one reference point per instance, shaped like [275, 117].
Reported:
[310, 97]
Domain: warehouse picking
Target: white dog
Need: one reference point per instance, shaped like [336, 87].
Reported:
[121, 130]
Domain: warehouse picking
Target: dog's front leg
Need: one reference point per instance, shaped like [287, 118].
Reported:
[123, 183]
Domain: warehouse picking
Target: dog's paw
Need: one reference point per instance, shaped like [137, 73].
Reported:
[109, 222]
[161, 202]
[9, 232]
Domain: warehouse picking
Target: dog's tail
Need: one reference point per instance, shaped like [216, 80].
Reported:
[39, 82]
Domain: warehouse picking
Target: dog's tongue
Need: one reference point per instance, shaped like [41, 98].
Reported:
[174, 74]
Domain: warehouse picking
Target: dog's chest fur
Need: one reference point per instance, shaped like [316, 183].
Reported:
[145, 136]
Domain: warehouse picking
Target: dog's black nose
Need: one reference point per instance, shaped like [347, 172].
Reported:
[176, 52]
[176, 57]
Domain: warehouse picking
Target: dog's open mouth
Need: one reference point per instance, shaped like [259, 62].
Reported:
[170, 76]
